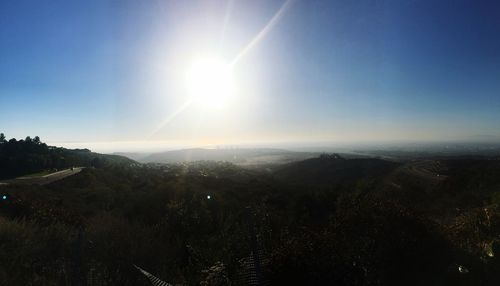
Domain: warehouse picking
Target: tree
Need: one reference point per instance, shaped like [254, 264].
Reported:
[2, 138]
[37, 140]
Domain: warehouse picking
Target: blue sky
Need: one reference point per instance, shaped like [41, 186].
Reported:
[98, 72]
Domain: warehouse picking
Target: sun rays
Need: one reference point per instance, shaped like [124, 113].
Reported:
[209, 80]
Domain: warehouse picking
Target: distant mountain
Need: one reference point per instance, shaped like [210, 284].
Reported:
[242, 156]
[131, 155]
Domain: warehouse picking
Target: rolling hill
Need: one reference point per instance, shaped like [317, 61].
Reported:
[27, 156]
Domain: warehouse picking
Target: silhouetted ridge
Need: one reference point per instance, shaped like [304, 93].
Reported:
[333, 169]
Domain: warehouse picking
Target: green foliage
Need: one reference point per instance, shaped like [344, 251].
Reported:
[324, 221]
[43, 252]
[368, 242]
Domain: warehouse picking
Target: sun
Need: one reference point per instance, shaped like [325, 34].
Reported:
[210, 83]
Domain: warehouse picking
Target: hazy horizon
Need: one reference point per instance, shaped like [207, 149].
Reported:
[319, 146]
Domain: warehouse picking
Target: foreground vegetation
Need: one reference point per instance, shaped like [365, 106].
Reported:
[326, 220]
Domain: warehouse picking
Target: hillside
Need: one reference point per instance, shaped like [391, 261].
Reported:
[28, 156]
[320, 221]
[334, 170]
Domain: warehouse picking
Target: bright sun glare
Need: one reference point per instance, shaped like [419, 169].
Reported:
[210, 83]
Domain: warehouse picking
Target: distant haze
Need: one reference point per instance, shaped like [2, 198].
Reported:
[147, 147]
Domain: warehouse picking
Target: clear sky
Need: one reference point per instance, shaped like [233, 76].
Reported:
[112, 73]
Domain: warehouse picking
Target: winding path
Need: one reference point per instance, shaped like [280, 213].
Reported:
[43, 180]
